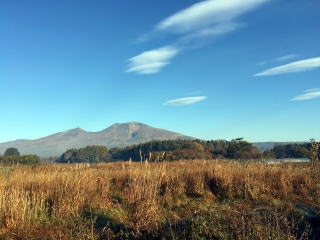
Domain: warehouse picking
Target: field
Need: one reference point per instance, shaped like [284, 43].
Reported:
[214, 199]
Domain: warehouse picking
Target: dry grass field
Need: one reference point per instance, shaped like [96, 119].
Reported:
[171, 200]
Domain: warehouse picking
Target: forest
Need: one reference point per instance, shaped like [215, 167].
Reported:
[170, 150]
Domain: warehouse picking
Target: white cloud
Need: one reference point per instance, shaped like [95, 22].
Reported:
[184, 101]
[286, 58]
[206, 13]
[279, 59]
[203, 20]
[152, 61]
[309, 94]
[207, 33]
[298, 66]
[312, 90]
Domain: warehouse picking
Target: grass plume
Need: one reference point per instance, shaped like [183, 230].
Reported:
[175, 200]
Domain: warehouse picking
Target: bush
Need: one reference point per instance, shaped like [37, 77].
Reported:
[11, 152]
[24, 159]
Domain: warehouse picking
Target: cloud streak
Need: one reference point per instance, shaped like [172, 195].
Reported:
[307, 95]
[206, 14]
[184, 101]
[201, 21]
[298, 66]
[286, 58]
[152, 61]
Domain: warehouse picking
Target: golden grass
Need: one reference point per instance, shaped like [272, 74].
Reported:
[172, 200]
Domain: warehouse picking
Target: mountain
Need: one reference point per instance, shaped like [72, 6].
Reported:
[117, 135]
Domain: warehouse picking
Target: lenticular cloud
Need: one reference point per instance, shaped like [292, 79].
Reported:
[307, 95]
[298, 66]
[207, 13]
[203, 20]
[152, 61]
[184, 101]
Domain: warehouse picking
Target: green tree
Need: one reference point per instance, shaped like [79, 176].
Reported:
[197, 147]
[218, 148]
[292, 151]
[241, 149]
[89, 154]
[11, 152]
[268, 154]
[29, 159]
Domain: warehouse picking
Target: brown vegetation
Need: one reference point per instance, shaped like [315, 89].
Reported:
[174, 200]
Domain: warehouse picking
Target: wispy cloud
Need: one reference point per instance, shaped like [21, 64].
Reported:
[200, 21]
[286, 58]
[184, 101]
[152, 61]
[278, 59]
[312, 90]
[204, 36]
[308, 94]
[298, 66]
[206, 14]
[206, 19]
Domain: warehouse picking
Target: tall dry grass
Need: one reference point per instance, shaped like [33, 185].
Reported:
[174, 200]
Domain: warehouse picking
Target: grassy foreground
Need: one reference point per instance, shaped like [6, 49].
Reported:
[172, 200]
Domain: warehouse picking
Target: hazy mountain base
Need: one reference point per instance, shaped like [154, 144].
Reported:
[171, 200]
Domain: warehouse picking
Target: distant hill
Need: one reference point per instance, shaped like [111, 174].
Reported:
[117, 135]
[262, 146]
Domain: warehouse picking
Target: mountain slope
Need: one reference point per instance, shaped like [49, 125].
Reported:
[117, 135]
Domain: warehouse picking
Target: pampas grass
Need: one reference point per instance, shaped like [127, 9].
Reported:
[150, 200]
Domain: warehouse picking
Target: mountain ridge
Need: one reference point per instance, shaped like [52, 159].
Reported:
[116, 135]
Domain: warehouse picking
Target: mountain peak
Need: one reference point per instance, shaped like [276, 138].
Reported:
[128, 124]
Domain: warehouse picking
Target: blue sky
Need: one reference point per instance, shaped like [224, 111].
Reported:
[212, 69]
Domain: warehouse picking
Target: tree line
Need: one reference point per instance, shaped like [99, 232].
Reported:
[170, 150]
